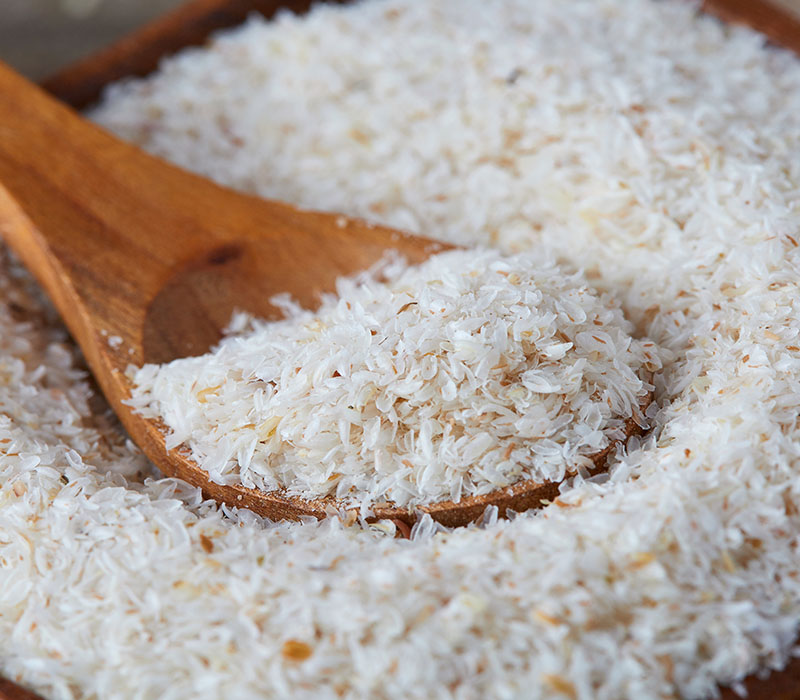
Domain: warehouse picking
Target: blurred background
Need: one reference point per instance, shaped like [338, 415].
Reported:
[39, 36]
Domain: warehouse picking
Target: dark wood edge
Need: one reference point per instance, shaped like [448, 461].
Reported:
[778, 24]
[12, 691]
[190, 25]
[782, 684]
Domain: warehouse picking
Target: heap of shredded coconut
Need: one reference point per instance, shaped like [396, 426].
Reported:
[457, 377]
[654, 149]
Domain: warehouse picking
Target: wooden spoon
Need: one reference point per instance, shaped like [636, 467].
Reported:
[146, 263]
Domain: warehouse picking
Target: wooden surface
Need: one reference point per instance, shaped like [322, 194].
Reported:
[772, 19]
[140, 52]
[12, 691]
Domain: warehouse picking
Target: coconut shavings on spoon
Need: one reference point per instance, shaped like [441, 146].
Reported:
[458, 377]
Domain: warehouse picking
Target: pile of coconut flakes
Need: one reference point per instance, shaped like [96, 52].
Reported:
[461, 376]
[651, 148]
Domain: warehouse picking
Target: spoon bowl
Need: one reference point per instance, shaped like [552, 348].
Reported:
[146, 263]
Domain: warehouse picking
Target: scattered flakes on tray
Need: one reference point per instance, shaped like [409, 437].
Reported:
[459, 377]
[650, 147]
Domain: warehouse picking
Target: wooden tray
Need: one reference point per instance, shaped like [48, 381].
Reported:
[139, 53]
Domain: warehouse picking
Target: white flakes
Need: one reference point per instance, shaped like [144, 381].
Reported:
[436, 373]
[656, 151]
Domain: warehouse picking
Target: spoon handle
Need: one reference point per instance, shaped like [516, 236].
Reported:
[99, 222]
[74, 190]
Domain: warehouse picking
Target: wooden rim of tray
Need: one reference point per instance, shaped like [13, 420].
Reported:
[139, 53]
